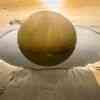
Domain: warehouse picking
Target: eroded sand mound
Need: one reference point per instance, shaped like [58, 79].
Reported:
[78, 83]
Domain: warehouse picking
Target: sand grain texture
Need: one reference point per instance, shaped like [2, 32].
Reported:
[25, 84]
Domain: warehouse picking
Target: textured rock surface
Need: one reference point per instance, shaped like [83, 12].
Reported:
[26, 84]
[47, 38]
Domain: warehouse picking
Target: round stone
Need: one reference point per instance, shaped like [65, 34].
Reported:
[47, 38]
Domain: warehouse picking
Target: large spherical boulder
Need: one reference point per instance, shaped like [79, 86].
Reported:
[47, 38]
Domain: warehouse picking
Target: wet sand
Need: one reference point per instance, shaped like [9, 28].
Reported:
[27, 84]
[87, 48]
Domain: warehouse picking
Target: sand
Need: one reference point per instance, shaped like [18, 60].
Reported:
[78, 83]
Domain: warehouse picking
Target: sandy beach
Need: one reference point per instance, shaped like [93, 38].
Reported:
[19, 82]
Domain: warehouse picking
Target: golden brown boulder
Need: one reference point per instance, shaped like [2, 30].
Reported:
[47, 38]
